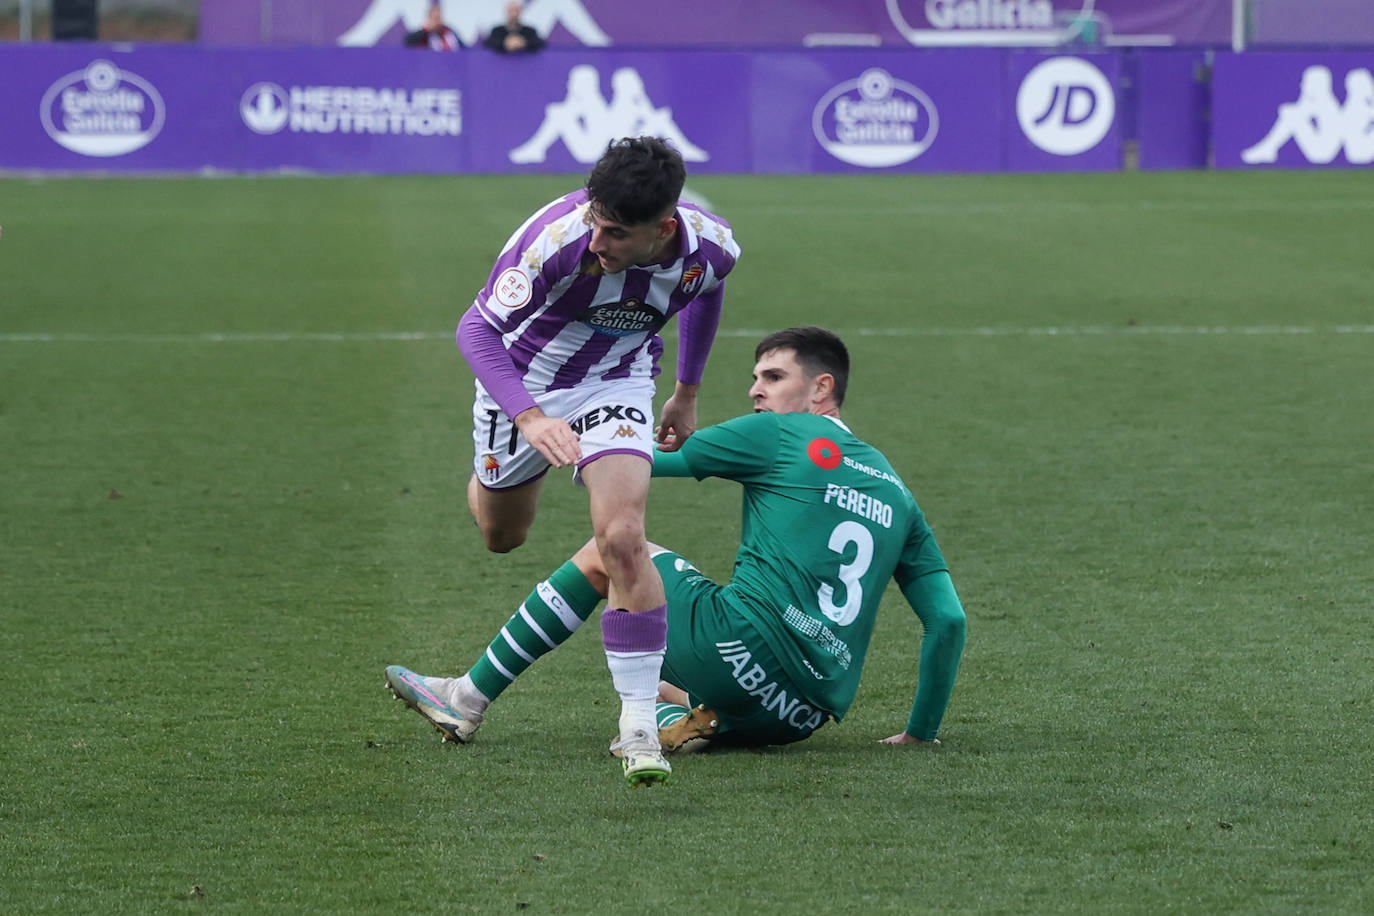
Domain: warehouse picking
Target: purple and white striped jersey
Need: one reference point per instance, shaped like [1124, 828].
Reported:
[563, 320]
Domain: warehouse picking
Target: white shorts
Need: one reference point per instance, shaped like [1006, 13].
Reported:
[609, 418]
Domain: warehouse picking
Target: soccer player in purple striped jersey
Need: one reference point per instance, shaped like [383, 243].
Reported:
[564, 343]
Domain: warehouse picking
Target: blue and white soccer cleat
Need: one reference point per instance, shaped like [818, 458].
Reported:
[426, 695]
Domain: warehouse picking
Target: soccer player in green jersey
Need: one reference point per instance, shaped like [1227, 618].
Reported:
[772, 655]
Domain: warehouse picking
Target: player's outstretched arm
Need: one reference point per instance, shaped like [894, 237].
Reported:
[935, 601]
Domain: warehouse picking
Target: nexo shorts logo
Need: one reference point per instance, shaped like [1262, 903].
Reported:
[264, 108]
[1065, 106]
[102, 111]
[875, 121]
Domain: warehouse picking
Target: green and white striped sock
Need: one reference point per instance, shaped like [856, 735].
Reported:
[668, 713]
[553, 612]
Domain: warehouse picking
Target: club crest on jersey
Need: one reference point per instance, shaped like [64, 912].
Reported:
[824, 453]
[691, 279]
[621, 319]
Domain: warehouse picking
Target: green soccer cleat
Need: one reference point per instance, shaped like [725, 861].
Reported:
[424, 695]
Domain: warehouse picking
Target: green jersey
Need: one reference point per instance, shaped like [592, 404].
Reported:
[827, 524]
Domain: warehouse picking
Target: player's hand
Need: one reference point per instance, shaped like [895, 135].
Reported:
[678, 420]
[552, 437]
[904, 738]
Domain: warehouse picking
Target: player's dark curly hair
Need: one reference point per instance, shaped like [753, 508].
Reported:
[637, 180]
[818, 351]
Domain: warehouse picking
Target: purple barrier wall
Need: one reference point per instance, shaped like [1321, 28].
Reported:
[1293, 110]
[1172, 96]
[168, 108]
[715, 23]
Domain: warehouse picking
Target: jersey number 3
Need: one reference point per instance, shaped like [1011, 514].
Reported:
[847, 533]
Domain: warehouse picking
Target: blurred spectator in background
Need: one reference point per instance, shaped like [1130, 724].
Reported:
[514, 37]
[434, 34]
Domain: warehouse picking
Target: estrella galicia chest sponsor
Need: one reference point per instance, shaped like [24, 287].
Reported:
[621, 319]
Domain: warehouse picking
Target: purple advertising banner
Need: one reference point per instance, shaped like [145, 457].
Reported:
[89, 107]
[1172, 96]
[730, 23]
[1273, 109]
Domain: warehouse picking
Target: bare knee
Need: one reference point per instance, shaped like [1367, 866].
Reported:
[622, 544]
[502, 541]
[504, 518]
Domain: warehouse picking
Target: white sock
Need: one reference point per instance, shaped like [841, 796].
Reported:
[636, 676]
[464, 696]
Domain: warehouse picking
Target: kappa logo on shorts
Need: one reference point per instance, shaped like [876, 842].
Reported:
[598, 415]
[625, 432]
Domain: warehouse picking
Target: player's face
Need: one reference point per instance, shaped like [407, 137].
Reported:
[780, 385]
[621, 245]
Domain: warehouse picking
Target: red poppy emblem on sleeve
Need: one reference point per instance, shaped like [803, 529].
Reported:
[825, 453]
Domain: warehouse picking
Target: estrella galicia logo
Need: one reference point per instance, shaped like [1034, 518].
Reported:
[1065, 106]
[264, 108]
[621, 319]
[102, 111]
[875, 121]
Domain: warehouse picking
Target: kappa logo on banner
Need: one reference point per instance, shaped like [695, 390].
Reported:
[1065, 106]
[875, 121]
[102, 111]
[268, 108]
[1320, 126]
[585, 121]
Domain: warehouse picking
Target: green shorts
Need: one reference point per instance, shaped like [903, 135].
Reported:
[720, 659]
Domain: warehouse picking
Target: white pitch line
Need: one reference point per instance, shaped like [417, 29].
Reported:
[406, 336]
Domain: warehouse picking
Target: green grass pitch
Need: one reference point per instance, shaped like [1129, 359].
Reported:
[1138, 410]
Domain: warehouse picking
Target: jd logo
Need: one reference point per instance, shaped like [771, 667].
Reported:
[1065, 106]
[1319, 125]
